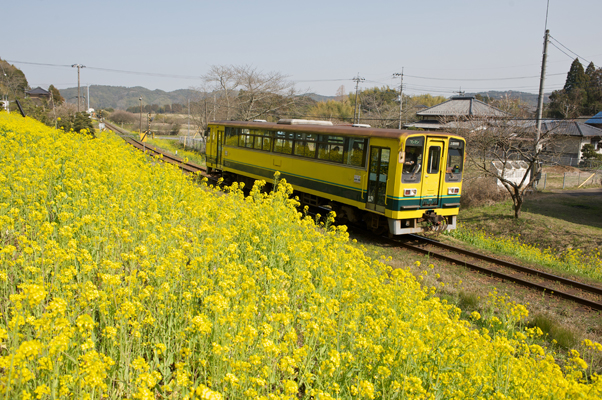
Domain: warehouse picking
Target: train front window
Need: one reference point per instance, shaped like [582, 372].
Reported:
[412, 160]
[455, 161]
[455, 156]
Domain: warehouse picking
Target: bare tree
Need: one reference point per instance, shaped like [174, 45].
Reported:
[245, 93]
[202, 109]
[262, 93]
[224, 81]
[508, 151]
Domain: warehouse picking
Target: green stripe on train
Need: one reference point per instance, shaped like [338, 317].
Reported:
[353, 194]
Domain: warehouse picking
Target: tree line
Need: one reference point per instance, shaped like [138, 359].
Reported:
[174, 108]
[581, 94]
[52, 112]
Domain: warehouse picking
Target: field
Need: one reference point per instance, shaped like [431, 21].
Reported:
[123, 278]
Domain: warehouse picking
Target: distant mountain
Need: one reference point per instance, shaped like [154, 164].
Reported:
[319, 97]
[529, 98]
[120, 97]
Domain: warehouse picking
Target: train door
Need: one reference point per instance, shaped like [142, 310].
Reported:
[219, 143]
[431, 183]
[378, 175]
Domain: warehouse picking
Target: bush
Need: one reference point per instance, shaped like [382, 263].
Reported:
[481, 191]
[175, 129]
[123, 117]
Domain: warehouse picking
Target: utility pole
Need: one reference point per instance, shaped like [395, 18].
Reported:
[400, 95]
[140, 130]
[79, 66]
[188, 117]
[88, 96]
[541, 88]
[357, 80]
[535, 168]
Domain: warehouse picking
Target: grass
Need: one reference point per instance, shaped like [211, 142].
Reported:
[177, 148]
[558, 231]
[554, 331]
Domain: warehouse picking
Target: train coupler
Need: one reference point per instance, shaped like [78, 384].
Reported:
[435, 222]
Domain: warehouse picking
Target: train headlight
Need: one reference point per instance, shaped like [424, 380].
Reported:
[453, 190]
[409, 192]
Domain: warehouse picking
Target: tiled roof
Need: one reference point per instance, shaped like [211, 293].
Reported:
[570, 128]
[463, 107]
[38, 91]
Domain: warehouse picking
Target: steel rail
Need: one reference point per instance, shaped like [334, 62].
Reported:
[177, 161]
[589, 303]
[545, 275]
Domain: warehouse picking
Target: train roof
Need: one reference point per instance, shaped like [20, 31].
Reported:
[344, 130]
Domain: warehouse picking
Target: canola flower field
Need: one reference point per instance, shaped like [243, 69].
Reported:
[122, 278]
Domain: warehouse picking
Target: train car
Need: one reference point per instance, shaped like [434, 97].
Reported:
[399, 181]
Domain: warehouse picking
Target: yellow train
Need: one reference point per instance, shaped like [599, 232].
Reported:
[397, 180]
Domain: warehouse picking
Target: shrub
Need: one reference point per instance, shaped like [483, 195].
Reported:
[123, 117]
[481, 191]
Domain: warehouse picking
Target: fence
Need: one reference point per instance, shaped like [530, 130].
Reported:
[194, 143]
[569, 179]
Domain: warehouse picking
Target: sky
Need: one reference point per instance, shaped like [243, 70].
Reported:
[442, 47]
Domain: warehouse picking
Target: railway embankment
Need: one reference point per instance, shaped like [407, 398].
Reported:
[125, 279]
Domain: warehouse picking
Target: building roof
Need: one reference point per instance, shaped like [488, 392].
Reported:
[38, 91]
[461, 106]
[571, 128]
[596, 119]
[452, 125]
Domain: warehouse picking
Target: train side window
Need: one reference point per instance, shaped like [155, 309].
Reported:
[267, 141]
[331, 148]
[434, 160]
[283, 143]
[257, 139]
[304, 145]
[356, 152]
[231, 136]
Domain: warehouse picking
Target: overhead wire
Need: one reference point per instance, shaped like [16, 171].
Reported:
[416, 87]
[557, 41]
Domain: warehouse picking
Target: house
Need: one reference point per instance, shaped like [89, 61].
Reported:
[568, 138]
[38, 93]
[455, 113]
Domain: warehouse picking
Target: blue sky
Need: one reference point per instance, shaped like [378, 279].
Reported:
[442, 45]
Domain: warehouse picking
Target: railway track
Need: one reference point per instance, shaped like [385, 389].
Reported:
[553, 285]
[166, 157]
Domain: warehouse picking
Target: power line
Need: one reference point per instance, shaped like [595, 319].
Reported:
[562, 51]
[556, 40]
[42, 64]
[112, 70]
[162, 75]
[478, 79]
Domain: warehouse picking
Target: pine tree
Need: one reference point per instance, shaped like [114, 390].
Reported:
[56, 95]
[591, 68]
[576, 78]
